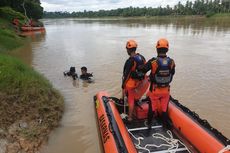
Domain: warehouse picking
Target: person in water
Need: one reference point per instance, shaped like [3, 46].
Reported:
[84, 74]
[162, 71]
[134, 82]
[72, 73]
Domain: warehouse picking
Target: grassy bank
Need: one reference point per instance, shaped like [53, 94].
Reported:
[9, 39]
[222, 15]
[180, 17]
[29, 106]
[218, 18]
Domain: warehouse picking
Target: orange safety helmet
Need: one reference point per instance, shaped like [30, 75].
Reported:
[162, 43]
[131, 44]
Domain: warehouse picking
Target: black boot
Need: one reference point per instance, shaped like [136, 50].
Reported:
[166, 121]
[150, 115]
[150, 119]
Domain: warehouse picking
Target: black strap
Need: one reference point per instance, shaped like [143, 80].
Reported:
[150, 114]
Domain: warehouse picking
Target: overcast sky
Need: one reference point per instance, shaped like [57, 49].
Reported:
[94, 5]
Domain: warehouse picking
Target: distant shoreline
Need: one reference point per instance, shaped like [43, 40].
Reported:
[216, 16]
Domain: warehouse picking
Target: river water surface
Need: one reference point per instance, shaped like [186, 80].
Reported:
[200, 49]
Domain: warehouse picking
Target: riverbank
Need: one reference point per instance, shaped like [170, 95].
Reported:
[217, 19]
[30, 107]
[170, 17]
[8, 37]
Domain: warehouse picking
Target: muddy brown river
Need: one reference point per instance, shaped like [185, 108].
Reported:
[200, 48]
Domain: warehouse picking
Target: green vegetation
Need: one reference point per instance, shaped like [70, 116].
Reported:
[33, 7]
[27, 96]
[9, 14]
[9, 39]
[222, 15]
[198, 7]
[29, 106]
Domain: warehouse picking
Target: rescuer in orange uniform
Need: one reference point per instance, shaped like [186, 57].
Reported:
[15, 22]
[134, 82]
[162, 70]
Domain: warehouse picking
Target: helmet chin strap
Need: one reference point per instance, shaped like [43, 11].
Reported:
[131, 53]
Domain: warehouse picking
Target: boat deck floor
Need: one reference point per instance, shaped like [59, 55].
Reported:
[158, 139]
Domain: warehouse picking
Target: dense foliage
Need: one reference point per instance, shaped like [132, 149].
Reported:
[33, 7]
[198, 7]
[9, 14]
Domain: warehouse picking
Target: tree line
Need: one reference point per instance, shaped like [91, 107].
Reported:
[198, 7]
[32, 8]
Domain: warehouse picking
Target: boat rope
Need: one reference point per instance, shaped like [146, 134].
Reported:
[171, 142]
[227, 148]
[138, 139]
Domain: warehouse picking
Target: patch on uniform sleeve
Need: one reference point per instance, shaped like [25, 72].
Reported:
[97, 104]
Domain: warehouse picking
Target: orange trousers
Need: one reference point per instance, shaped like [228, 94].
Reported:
[135, 93]
[160, 99]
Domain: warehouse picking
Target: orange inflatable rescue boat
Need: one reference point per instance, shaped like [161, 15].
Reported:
[30, 28]
[187, 133]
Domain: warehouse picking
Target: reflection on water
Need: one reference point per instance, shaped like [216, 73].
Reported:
[75, 83]
[201, 50]
[25, 53]
[197, 25]
[81, 83]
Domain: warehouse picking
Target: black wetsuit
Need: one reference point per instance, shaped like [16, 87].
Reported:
[71, 72]
[86, 76]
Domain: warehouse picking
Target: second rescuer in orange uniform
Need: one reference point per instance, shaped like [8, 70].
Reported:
[162, 70]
